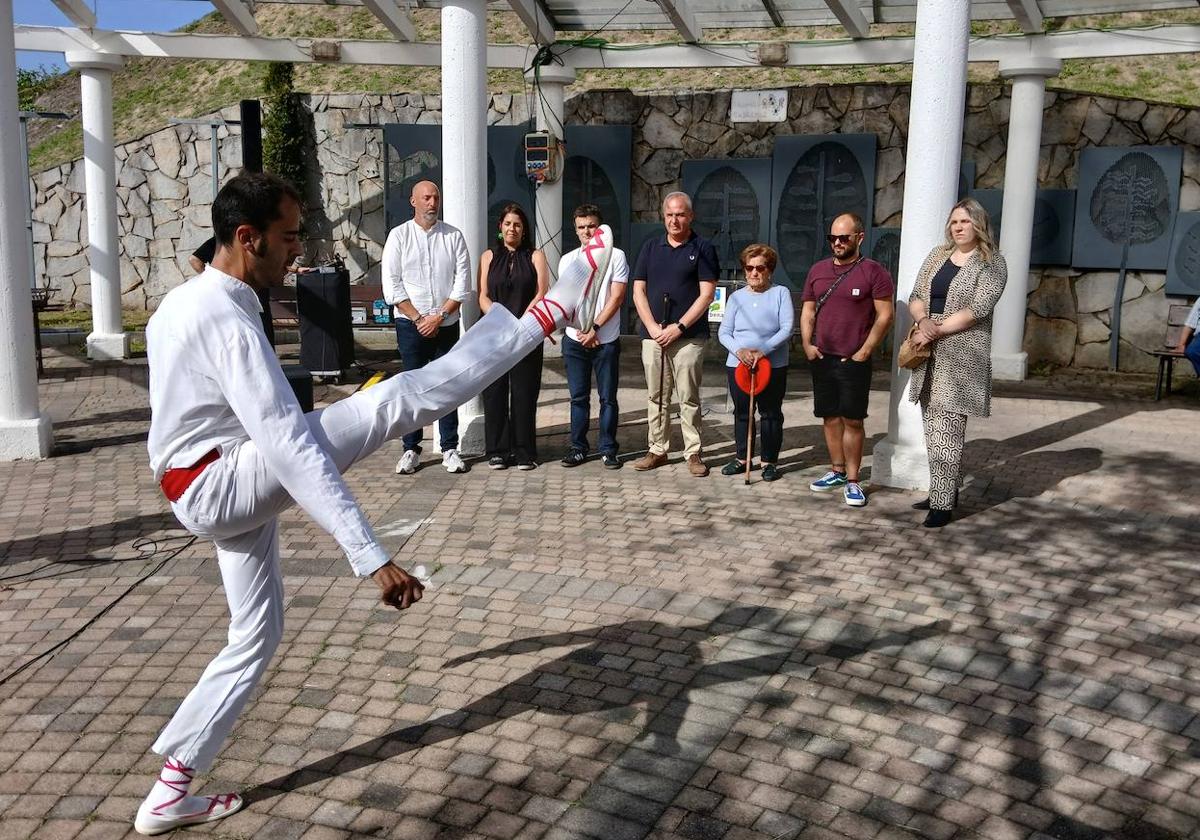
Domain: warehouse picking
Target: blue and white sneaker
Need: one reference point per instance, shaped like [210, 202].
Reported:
[854, 495]
[830, 481]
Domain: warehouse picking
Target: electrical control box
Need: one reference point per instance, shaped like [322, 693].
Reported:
[542, 154]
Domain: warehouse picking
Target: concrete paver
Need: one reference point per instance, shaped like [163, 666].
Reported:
[612, 654]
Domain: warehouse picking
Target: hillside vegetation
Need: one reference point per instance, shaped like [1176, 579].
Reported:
[150, 91]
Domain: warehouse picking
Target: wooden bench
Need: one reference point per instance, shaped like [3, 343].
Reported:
[1176, 316]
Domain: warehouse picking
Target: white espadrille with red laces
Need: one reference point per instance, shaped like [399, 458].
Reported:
[169, 806]
[572, 300]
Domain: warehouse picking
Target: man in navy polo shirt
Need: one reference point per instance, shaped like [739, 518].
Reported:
[674, 281]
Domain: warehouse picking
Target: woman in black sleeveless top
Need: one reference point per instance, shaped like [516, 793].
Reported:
[515, 275]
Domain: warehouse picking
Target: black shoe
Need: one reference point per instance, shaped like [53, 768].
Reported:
[734, 467]
[527, 465]
[573, 458]
[610, 462]
[937, 518]
[498, 462]
[770, 472]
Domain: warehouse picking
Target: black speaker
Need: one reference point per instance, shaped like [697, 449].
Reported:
[251, 115]
[326, 336]
[301, 381]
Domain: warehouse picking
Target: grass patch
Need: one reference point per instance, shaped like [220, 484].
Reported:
[132, 320]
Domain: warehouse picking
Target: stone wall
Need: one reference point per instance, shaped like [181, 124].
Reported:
[164, 186]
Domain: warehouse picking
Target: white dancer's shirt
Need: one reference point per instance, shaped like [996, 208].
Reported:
[215, 381]
[618, 272]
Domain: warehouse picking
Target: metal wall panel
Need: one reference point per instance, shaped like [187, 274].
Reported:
[732, 202]
[1126, 204]
[814, 179]
[598, 167]
[1183, 270]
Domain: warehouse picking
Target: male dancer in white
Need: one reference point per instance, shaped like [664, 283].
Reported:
[232, 449]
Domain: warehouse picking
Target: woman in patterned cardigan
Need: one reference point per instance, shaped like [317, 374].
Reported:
[952, 303]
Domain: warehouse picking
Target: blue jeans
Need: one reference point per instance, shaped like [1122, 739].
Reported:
[416, 351]
[581, 362]
[1192, 351]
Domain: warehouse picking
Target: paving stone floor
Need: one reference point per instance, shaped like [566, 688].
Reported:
[613, 654]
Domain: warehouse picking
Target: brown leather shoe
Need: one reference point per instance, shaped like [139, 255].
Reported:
[650, 461]
[696, 466]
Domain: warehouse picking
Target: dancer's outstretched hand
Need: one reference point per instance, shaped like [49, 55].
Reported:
[399, 589]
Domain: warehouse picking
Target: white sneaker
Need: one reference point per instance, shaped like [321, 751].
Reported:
[407, 465]
[453, 462]
[572, 300]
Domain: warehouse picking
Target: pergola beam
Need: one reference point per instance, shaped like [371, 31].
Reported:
[773, 11]
[683, 19]
[1061, 45]
[238, 15]
[851, 17]
[1028, 15]
[536, 19]
[396, 19]
[78, 12]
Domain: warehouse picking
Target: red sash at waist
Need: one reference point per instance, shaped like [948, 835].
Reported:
[176, 481]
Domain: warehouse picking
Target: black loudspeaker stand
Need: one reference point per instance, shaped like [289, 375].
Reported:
[326, 336]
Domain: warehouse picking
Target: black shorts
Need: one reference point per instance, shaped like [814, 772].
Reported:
[841, 388]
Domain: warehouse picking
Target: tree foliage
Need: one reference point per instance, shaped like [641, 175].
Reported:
[285, 129]
[31, 84]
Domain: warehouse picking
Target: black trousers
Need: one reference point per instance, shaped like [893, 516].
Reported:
[768, 403]
[510, 411]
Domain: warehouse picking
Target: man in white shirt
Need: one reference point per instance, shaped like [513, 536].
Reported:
[426, 277]
[597, 350]
[231, 449]
[1189, 337]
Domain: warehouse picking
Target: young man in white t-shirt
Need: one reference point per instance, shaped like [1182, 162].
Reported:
[598, 350]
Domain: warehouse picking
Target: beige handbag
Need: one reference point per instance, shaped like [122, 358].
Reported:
[911, 356]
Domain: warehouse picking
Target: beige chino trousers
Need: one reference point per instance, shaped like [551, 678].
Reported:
[684, 366]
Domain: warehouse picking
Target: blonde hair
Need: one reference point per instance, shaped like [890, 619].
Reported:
[981, 222]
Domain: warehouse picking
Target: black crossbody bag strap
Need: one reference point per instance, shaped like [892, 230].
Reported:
[837, 282]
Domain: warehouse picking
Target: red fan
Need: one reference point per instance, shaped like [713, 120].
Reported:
[753, 381]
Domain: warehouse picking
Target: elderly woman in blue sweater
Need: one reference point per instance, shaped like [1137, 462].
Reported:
[758, 324]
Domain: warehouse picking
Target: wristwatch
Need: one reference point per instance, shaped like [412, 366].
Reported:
[681, 325]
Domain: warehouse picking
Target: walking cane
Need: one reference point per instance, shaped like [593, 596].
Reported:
[750, 428]
[662, 370]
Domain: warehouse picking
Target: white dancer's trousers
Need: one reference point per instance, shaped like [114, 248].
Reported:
[236, 500]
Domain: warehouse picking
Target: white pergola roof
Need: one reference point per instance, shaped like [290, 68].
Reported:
[688, 18]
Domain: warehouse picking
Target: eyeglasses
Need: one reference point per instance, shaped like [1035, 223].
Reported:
[841, 238]
[751, 269]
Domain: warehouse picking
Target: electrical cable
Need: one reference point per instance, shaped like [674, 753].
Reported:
[140, 545]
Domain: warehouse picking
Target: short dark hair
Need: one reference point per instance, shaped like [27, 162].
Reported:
[583, 211]
[250, 198]
[526, 244]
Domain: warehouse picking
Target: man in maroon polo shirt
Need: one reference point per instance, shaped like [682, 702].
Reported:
[848, 307]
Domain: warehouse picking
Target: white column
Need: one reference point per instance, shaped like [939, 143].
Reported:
[549, 106]
[1029, 74]
[107, 340]
[464, 160]
[24, 430]
[935, 123]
